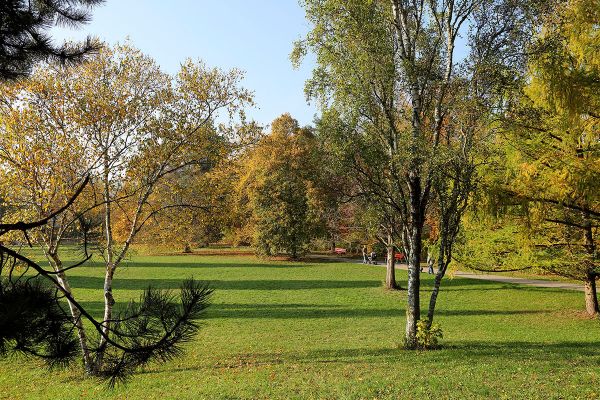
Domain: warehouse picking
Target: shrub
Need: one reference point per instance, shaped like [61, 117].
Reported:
[428, 335]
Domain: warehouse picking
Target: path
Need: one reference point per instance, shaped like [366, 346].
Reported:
[487, 277]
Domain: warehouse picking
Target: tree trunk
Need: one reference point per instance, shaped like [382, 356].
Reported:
[390, 276]
[591, 298]
[436, 289]
[442, 266]
[413, 310]
[294, 252]
[56, 264]
[417, 209]
[109, 300]
[433, 299]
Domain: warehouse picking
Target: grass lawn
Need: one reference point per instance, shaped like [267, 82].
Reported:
[280, 330]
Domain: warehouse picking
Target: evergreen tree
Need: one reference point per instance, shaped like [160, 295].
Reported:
[24, 40]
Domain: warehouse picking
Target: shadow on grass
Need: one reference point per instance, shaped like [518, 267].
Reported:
[206, 264]
[311, 311]
[91, 282]
[456, 284]
[468, 284]
[85, 282]
[553, 354]
[534, 351]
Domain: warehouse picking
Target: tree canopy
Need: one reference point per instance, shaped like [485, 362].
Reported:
[544, 183]
[280, 182]
[393, 94]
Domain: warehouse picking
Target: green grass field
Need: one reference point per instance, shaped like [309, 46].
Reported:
[281, 330]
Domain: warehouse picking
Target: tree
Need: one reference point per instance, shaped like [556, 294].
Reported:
[385, 78]
[467, 137]
[279, 182]
[23, 40]
[36, 323]
[380, 226]
[545, 189]
[34, 184]
[206, 211]
[136, 128]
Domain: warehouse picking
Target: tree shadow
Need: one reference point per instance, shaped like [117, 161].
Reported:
[226, 264]
[470, 284]
[459, 284]
[297, 311]
[448, 284]
[481, 352]
[534, 351]
[545, 351]
[85, 282]
[313, 311]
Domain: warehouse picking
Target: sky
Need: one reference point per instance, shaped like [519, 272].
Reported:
[255, 36]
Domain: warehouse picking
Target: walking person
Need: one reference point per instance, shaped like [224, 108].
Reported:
[372, 257]
[430, 262]
[364, 252]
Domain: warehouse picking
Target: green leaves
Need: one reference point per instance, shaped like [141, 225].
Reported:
[280, 182]
[544, 188]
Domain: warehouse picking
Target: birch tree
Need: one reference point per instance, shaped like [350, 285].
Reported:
[35, 184]
[134, 127]
[384, 77]
[35, 323]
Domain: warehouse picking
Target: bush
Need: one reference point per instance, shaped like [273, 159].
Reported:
[428, 336]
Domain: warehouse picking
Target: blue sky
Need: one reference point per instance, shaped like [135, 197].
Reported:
[253, 35]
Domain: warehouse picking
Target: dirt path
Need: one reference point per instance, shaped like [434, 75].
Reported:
[485, 277]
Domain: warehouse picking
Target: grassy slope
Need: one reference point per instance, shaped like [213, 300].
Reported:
[308, 330]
